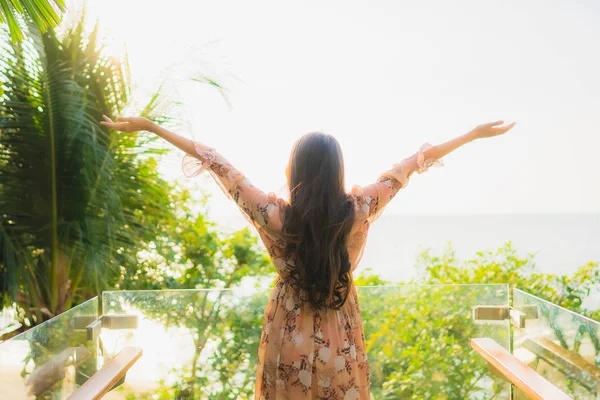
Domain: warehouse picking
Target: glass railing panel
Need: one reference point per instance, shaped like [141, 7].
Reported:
[418, 341]
[196, 344]
[562, 346]
[203, 343]
[50, 360]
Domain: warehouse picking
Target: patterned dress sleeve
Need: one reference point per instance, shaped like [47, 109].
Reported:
[372, 199]
[261, 209]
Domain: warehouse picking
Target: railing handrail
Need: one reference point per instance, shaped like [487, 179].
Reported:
[102, 381]
[534, 385]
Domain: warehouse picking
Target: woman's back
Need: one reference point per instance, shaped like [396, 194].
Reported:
[306, 352]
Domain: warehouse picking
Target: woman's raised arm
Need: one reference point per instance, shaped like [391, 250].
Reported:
[375, 197]
[260, 208]
[135, 124]
[481, 131]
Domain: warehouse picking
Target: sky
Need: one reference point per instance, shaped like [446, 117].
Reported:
[383, 77]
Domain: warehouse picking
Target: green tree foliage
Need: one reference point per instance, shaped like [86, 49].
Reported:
[505, 265]
[191, 253]
[43, 13]
[76, 200]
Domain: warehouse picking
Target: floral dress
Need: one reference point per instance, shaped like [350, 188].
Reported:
[306, 353]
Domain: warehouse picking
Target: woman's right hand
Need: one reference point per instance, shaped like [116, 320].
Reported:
[491, 129]
[128, 124]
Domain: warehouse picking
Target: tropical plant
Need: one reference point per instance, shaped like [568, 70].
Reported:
[44, 14]
[76, 200]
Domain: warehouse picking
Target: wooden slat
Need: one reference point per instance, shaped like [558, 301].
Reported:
[104, 380]
[534, 385]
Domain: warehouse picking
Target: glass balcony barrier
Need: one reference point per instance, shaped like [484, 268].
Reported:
[51, 360]
[202, 344]
[560, 345]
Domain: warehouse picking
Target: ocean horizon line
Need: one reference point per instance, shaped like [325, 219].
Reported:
[499, 214]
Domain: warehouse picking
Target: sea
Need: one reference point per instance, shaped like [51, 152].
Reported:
[559, 243]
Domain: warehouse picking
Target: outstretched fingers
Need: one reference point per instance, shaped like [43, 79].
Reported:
[505, 128]
[112, 125]
[495, 123]
[123, 125]
[107, 122]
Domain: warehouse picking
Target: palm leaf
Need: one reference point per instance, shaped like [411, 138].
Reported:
[72, 193]
[43, 13]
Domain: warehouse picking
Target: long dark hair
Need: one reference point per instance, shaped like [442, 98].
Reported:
[318, 221]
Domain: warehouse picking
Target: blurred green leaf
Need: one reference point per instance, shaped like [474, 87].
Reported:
[45, 14]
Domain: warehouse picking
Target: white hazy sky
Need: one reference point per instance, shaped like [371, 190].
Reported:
[384, 77]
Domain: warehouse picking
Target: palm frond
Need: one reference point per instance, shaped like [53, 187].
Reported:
[72, 193]
[45, 14]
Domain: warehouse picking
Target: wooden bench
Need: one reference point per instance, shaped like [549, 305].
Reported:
[104, 380]
[531, 383]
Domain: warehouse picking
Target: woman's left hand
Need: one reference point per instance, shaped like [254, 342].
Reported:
[491, 129]
[128, 124]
